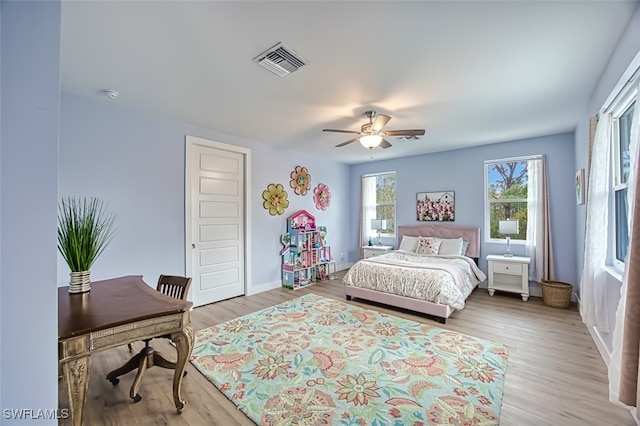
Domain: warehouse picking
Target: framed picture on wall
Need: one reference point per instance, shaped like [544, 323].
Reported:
[580, 186]
[436, 206]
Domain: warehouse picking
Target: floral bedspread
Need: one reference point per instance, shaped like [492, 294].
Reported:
[447, 280]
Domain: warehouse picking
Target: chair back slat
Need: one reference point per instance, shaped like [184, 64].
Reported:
[174, 286]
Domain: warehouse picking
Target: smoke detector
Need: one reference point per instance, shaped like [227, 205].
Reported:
[281, 60]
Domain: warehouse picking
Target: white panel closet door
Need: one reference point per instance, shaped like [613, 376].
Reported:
[215, 193]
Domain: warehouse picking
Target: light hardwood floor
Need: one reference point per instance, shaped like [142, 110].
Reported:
[555, 375]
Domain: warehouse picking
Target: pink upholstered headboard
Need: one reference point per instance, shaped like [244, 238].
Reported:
[468, 233]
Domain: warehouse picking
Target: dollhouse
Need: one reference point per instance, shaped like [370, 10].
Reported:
[306, 258]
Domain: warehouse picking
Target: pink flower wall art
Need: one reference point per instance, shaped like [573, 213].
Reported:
[322, 196]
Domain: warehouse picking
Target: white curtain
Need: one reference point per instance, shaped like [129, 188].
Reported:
[539, 244]
[615, 365]
[593, 295]
[368, 209]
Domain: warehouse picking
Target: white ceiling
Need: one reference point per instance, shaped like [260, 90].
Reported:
[469, 72]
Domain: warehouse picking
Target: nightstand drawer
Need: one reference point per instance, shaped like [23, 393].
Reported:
[370, 251]
[507, 268]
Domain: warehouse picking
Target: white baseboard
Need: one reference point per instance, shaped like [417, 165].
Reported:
[344, 265]
[604, 353]
[262, 287]
[595, 336]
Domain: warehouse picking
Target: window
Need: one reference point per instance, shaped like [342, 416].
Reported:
[506, 186]
[622, 116]
[379, 202]
[612, 143]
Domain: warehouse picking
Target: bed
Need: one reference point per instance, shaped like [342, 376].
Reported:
[435, 285]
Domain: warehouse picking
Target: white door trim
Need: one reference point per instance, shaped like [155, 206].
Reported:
[190, 142]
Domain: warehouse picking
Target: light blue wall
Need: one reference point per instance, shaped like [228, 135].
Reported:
[462, 171]
[30, 52]
[29, 83]
[1, 222]
[135, 162]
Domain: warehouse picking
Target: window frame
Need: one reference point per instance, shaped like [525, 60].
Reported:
[393, 233]
[621, 104]
[488, 202]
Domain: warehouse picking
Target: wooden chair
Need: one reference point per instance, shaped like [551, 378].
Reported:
[170, 285]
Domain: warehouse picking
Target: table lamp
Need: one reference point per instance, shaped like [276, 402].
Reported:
[508, 228]
[377, 225]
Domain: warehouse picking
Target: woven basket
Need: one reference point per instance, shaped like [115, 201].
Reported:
[556, 293]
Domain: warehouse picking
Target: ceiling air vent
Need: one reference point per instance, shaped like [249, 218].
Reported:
[281, 60]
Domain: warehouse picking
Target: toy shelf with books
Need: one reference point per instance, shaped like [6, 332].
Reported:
[306, 257]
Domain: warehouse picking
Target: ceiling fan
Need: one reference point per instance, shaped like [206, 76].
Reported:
[371, 134]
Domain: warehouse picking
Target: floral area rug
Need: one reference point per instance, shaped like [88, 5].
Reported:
[317, 361]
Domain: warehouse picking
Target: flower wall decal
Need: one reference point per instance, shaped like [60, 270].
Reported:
[322, 196]
[300, 180]
[275, 199]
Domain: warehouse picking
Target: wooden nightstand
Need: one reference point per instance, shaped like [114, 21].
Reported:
[509, 274]
[370, 251]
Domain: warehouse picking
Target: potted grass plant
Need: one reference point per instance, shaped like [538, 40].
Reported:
[85, 228]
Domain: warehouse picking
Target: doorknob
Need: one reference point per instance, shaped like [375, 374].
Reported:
[193, 246]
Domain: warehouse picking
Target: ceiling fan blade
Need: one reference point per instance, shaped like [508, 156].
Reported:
[340, 131]
[415, 132]
[380, 121]
[385, 144]
[347, 142]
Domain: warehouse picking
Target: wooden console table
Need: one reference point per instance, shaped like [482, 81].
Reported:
[115, 312]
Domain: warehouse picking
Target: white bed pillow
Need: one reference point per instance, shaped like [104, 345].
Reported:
[408, 243]
[428, 245]
[450, 247]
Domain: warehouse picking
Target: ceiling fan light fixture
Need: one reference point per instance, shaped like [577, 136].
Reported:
[372, 133]
[370, 141]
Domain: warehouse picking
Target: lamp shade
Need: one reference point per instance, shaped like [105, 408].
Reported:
[508, 227]
[370, 141]
[378, 224]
